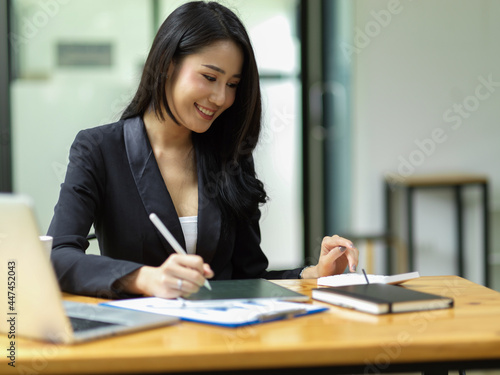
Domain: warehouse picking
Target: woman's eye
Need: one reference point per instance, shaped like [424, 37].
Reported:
[209, 78]
[232, 85]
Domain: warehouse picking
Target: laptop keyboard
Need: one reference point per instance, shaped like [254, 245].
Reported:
[80, 324]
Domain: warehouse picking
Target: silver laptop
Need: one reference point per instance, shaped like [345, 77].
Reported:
[32, 298]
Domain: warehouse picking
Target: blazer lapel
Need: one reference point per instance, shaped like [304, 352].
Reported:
[149, 181]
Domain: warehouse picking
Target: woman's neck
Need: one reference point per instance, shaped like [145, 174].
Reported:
[165, 135]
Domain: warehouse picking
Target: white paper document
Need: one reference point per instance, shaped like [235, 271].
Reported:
[358, 279]
[226, 313]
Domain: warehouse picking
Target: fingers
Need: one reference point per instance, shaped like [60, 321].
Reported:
[190, 268]
[335, 247]
[171, 286]
[329, 243]
[352, 257]
[181, 275]
[207, 271]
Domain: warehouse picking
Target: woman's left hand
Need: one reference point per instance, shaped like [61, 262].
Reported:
[336, 255]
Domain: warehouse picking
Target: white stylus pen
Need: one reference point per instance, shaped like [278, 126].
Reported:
[171, 239]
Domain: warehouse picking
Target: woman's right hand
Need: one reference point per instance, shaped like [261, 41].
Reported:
[178, 276]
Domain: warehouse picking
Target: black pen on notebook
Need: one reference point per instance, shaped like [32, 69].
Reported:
[171, 240]
[366, 277]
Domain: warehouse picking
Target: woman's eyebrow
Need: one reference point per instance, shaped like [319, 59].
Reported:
[217, 69]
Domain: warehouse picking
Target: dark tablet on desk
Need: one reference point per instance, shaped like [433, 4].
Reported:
[248, 289]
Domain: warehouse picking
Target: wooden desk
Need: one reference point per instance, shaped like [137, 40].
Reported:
[344, 341]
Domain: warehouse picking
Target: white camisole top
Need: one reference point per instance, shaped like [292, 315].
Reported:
[189, 226]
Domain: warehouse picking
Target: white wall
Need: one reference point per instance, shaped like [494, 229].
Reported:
[419, 70]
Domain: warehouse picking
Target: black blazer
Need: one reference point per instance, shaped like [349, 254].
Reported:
[114, 183]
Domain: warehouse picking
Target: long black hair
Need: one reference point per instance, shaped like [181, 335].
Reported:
[224, 152]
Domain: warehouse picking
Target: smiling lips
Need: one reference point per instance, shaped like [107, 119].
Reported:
[205, 112]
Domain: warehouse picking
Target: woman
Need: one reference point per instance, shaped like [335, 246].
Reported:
[183, 150]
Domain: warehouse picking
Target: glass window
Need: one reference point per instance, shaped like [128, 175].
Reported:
[53, 100]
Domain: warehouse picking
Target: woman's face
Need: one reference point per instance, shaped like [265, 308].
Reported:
[203, 85]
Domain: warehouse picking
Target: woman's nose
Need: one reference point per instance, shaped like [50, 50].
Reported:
[218, 96]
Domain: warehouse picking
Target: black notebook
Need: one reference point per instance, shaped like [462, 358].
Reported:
[381, 298]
